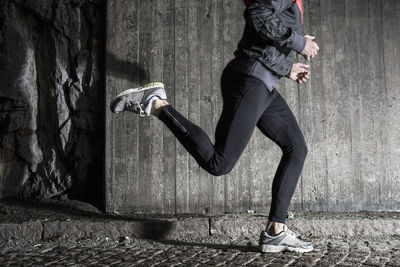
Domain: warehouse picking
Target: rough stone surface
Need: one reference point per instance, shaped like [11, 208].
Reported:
[51, 95]
[250, 226]
[163, 229]
[328, 251]
[28, 231]
[24, 222]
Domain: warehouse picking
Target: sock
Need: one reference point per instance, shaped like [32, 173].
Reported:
[276, 234]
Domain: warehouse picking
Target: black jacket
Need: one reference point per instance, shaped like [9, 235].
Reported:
[272, 34]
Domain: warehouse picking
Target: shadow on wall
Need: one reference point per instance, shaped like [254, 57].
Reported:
[129, 71]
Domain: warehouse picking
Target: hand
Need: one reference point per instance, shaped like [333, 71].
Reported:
[300, 73]
[311, 48]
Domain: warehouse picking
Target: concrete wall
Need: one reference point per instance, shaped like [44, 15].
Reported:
[349, 110]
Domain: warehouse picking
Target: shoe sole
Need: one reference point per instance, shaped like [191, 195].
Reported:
[136, 90]
[275, 249]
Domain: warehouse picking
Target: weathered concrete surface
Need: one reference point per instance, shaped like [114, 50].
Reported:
[250, 227]
[158, 228]
[349, 110]
[44, 220]
[10, 232]
[51, 98]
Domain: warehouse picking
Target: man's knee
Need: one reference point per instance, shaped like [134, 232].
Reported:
[220, 171]
[221, 168]
[297, 148]
[302, 149]
[293, 141]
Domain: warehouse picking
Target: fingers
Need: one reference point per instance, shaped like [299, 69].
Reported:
[304, 66]
[313, 52]
[302, 80]
[312, 48]
[303, 74]
[311, 55]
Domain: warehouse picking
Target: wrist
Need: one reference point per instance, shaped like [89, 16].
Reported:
[299, 42]
[290, 71]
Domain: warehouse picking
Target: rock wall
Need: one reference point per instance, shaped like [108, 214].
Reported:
[51, 98]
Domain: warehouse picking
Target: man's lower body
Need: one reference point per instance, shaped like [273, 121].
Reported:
[247, 104]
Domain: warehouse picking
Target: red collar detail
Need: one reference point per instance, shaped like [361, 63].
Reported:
[300, 5]
[247, 2]
[298, 2]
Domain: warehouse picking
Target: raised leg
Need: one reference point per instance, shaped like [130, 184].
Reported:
[244, 100]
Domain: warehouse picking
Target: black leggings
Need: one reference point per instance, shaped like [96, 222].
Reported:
[247, 103]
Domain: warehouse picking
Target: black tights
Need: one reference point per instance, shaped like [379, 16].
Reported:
[246, 104]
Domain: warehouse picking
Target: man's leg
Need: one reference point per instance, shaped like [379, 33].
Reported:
[279, 124]
[244, 100]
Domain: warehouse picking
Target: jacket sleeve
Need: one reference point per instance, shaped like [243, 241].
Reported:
[287, 75]
[263, 17]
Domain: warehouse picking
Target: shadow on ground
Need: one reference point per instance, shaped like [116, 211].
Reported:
[225, 247]
[151, 226]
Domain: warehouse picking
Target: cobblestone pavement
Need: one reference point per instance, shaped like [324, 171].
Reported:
[329, 251]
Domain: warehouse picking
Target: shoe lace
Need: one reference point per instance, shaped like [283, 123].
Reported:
[290, 232]
[135, 106]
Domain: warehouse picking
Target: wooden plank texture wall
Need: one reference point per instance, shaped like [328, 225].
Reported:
[349, 111]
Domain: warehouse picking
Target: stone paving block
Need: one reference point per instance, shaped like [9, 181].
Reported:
[345, 227]
[168, 229]
[24, 231]
[237, 227]
[198, 227]
[332, 251]
[250, 227]
[75, 229]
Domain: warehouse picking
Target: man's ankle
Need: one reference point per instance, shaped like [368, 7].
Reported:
[157, 105]
[274, 228]
[273, 232]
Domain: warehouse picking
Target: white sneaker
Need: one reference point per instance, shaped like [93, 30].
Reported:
[285, 240]
[138, 100]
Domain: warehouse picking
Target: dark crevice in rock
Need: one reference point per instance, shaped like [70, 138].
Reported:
[52, 98]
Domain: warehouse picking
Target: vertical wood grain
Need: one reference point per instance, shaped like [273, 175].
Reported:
[169, 140]
[217, 65]
[243, 177]
[354, 27]
[122, 185]
[335, 77]
[312, 112]
[150, 134]
[183, 62]
[203, 200]
[348, 111]
[390, 184]
[194, 108]
[230, 26]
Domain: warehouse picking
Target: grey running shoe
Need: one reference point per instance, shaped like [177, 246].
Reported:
[138, 100]
[285, 240]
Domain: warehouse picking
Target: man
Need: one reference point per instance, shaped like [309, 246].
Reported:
[265, 52]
